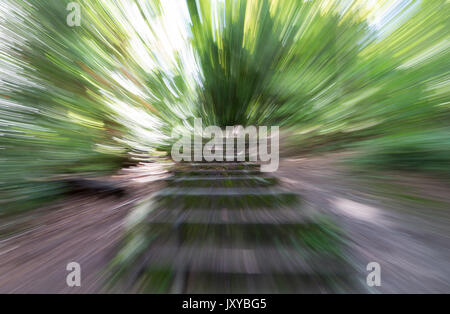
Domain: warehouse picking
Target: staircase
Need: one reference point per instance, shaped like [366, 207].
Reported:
[225, 227]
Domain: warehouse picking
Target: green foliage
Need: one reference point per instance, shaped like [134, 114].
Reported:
[427, 150]
[75, 100]
[330, 76]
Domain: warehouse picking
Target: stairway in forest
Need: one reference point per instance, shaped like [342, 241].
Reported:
[225, 227]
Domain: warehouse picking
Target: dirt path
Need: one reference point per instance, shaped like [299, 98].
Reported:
[401, 222]
[83, 229]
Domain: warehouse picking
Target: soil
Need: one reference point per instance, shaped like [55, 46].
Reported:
[401, 221]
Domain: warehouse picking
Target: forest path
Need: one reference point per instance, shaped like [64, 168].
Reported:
[400, 221]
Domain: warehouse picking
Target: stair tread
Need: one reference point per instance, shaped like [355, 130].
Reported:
[217, 171]
[244, 261]
[219, 191]
[218, 178]
[225, 164]
[230, 216]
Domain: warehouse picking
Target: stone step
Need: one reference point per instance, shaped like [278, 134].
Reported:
[221, 181]
[260, 260]
[210, 198]
[229, 217]
[214, 172]
[246, 145]
[250, 158]
[229, 192]
[244, 165]
[233, 150]
[307, 234]
[220, 283]
[169, 192]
